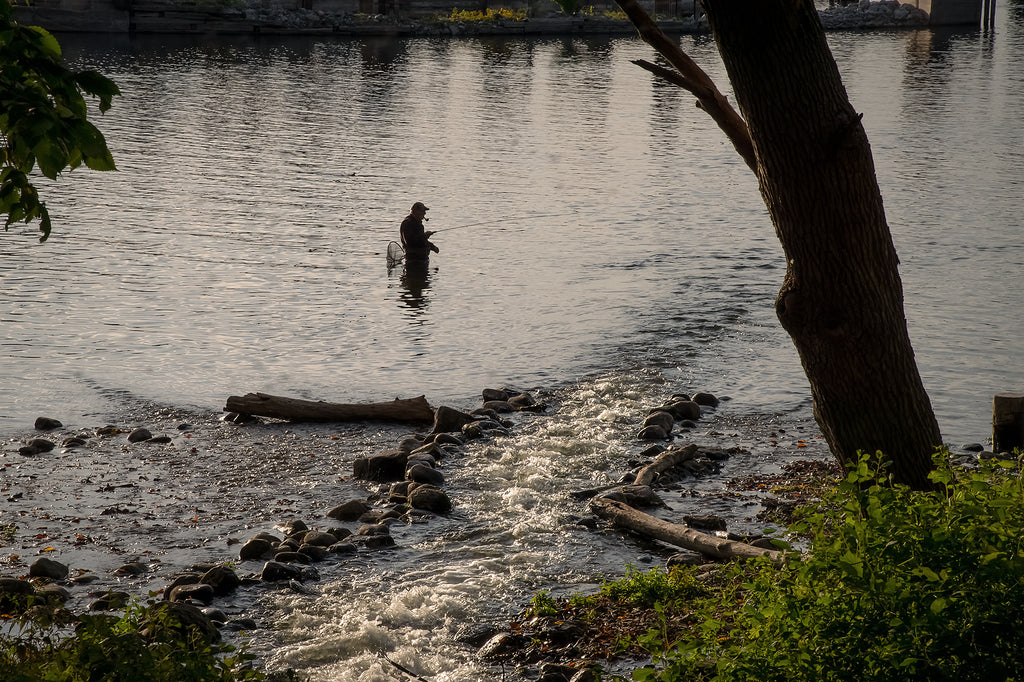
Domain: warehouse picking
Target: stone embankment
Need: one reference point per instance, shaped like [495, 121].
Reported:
[260, 18]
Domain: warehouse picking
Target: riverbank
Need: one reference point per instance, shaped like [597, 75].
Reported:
[131, 508]
[262, 20]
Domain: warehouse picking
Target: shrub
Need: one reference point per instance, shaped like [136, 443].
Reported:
[486, 16]
[146, 644]
[897, 585]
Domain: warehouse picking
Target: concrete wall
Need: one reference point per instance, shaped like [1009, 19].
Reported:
[951, 12]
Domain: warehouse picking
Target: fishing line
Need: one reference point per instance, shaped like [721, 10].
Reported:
[502, 220]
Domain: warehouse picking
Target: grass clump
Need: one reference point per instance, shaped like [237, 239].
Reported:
[897, 584]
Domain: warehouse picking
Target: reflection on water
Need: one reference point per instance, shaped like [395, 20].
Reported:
[415, 282]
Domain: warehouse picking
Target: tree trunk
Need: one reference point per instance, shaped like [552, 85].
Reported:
[841, 300]
[624, 516]
[398, 410]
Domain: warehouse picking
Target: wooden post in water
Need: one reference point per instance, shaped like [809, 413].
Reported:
[1007, 422]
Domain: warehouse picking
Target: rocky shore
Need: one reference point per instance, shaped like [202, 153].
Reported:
[260, 18]
[198, 509]
[97, 518]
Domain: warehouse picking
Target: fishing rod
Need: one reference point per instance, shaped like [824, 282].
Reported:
[488, 222]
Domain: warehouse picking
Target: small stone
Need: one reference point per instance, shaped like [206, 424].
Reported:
[48, 568]
[14, 595]
[275, 570]
[36, 446]
[653, 432]
[183, 579]
[314, 552]
[318, 538]
[238, 624]
[430, 499]
[203, 594]
[47, 424]
[111, 601]
[133, 568]
[290, 557]
[705, 399]
[293, 526]
[705, 521]
[254, 549]
[349, 511]
[215, 614]
[139, 435]
[342, 548]
[424, 474]
[222, 579]
[447, 420]
[686, 559]
[490, 394]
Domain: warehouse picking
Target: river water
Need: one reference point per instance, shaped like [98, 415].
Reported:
[600, 244]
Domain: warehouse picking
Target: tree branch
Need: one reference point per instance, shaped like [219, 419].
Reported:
[691, 78]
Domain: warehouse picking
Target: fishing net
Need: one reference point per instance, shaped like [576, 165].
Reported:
[395, 254]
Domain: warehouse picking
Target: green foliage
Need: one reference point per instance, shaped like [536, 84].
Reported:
[654, 587]
[897, 585]
[43, 118]
[146, 644]
[486, 16]
[569, 7]
[543, 604]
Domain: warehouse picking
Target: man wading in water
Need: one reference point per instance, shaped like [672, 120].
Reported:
[415, 240]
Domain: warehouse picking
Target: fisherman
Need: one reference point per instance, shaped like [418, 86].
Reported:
[416, 240]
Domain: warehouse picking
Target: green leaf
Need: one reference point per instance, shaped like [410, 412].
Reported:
[46, 41]
[938, 605]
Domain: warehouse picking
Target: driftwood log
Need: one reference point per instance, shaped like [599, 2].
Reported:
[664, 462]
[398, 410]
[625, 516]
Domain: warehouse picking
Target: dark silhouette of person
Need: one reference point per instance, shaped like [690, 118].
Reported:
[415, 239]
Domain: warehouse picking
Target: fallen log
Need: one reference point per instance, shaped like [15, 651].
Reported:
[625, 516]
[398, 410]
[664, 462]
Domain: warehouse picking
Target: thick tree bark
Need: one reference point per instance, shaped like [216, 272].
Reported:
[398, 410]
[842, 299]
[624, 516]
